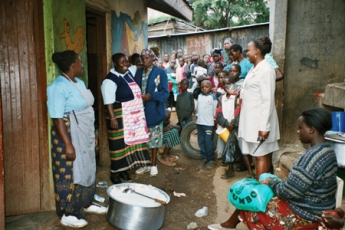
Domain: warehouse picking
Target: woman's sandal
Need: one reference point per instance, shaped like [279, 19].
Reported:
[241, 168]
[227, 175]
[165, 162]
[174, 158]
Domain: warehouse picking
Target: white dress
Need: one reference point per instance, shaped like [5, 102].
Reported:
[258, 111]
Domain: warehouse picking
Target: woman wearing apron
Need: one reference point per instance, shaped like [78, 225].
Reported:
[73, 141]
[126, 123]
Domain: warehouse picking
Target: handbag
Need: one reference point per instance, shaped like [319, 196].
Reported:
[232, 152]
[249, 195]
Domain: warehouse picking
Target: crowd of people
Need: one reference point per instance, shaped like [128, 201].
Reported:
[229, 90]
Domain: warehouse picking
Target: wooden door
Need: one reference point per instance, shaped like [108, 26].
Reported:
[24, 113]
[97, 69]
[2, 200]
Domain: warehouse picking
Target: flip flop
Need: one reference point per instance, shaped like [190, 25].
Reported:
[168, 163]
[174, 158]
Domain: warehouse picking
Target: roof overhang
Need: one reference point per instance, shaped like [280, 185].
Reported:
[177, 8]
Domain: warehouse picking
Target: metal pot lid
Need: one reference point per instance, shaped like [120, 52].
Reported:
[116, 193]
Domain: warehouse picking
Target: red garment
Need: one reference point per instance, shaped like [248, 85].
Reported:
[212, 82]
[278, 216]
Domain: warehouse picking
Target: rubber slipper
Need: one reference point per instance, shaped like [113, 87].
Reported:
[241, 168]
[227, 175]
[168, 163]
[174, 158]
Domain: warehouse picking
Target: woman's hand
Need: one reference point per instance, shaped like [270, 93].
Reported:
[231, 92]
[114, 124]
[263, 134]
[266, 181]
[330, 219]
[145, 97]
[70, 152]
[230, 126]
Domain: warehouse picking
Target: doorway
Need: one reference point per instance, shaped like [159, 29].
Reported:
[97, 69]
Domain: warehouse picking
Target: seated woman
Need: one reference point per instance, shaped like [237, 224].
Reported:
[309, 189]
[171, 138]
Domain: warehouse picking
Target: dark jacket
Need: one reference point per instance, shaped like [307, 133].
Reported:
[155, 107]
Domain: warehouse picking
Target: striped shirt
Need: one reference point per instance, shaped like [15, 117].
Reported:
[311, 184]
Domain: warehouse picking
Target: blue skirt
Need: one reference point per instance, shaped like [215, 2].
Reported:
[70, 198]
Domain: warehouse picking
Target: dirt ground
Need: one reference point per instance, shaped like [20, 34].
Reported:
[185, 177]
[203, 188]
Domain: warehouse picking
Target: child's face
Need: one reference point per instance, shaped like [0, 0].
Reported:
[216, 57]
[195, 56]
[160, 63]
[184, 86]
[202, 64]
[181, 62]
[207, 58]
[172, 63]
[217, 68]
[221, 78]
[206, 87]
[166, 57]
[226, 83]
[234, 72]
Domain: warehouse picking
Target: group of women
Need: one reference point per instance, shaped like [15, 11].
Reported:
[135, 112]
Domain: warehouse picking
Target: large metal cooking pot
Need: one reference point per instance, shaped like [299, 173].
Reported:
[130, 211]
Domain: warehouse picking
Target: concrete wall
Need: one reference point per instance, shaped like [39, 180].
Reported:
[204, 42]
[314, 56]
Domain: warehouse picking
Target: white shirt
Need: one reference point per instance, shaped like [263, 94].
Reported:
[109, 88]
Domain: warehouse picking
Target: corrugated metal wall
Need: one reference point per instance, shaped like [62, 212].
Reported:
[204, 42]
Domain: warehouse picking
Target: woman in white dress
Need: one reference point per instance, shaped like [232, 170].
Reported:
[258, 113]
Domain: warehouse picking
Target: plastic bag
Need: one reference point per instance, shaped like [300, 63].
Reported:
[232, 152]
[264, 176]
[202, 212]
[196, 93]
[249, 195]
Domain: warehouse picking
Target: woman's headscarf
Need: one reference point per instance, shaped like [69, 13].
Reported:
[148, 52]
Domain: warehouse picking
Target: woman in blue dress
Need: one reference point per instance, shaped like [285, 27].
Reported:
[73, 141]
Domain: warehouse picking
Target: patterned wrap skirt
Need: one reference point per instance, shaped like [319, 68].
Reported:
[70, 198]
[124, 157]
[278, 216]
[171, 138]
[156, 136]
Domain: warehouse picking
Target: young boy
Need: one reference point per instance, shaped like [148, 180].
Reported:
[171, 138]
[180, 70]
[200, 73]
[206, 111]
[184, 104]
[221, 75]
[218, 66]
[200, 70]
[173, 90]
[226, 119]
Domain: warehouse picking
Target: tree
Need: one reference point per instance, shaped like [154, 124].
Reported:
[214, 14]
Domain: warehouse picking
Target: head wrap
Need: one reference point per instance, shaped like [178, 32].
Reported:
[229, 39]
[155, 49]
[216, 51]
[148, 52]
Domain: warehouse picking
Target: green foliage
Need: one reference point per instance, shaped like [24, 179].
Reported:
[214, 14]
